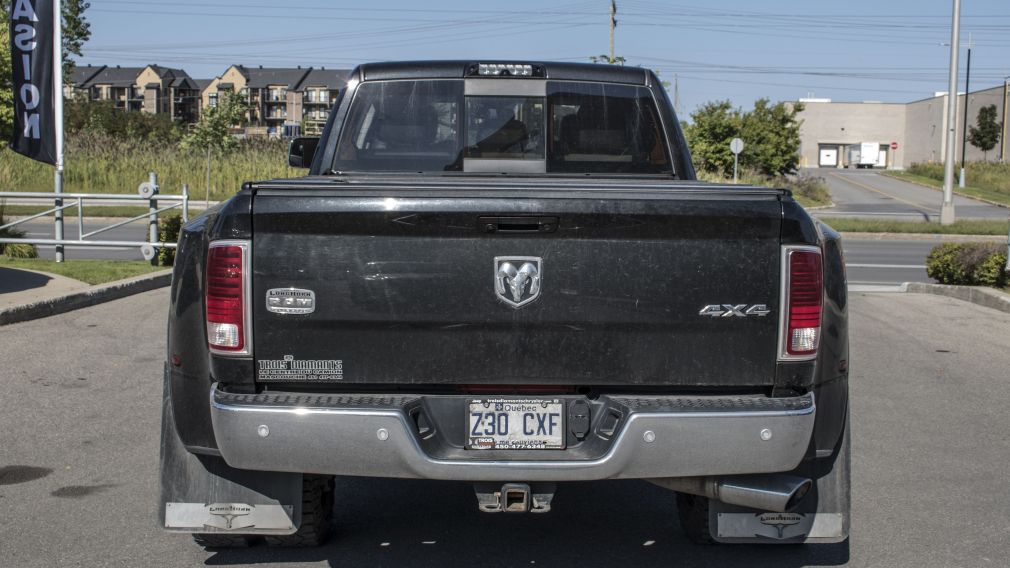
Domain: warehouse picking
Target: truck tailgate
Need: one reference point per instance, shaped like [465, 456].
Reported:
[405, 285]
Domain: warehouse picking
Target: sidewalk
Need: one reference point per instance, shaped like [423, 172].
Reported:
[20, 287]
[27, 294]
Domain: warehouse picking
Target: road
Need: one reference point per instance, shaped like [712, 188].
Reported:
[79, 422]
[136, 231]
[886, 262]
[865, 193]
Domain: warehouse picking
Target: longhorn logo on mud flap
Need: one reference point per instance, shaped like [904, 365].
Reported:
[780, 521]
[518, 279]
[229, 512]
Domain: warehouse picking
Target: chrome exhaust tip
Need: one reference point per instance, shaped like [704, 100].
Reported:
[778, 493]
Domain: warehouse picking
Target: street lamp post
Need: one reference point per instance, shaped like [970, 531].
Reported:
[947, 208]
[964, 125]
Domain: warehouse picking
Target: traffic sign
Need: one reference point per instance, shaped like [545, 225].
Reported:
[894, 145]
[736, 146]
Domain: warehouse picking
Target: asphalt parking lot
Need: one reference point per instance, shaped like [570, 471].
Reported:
[79, 418]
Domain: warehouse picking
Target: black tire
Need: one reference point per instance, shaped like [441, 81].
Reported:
[223, 540]
[317, 511]
[693, 513]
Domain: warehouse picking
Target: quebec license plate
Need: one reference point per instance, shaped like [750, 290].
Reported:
[515, 424]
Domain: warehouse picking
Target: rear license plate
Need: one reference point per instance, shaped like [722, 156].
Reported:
[515, 424]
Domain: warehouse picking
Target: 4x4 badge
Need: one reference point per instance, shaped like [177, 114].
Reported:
[518, 279]
[734, 310]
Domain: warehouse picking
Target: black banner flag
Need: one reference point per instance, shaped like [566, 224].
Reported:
[32, 31]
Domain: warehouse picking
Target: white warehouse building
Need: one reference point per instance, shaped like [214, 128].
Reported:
[840, 134]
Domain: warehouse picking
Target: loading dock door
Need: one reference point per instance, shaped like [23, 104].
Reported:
[828, 157]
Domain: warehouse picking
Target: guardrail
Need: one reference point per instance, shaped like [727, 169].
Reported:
[147, 192]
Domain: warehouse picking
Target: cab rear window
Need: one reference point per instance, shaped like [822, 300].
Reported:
[431, 126]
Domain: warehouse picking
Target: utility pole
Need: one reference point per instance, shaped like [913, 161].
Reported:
[947, 208]
[964, 125]
[1003, 133]
[677, 95]
[613, 25]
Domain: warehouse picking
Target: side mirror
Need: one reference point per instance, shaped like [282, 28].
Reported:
[301, 151]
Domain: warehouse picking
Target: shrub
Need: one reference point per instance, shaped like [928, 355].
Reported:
[968, 264]
[168, 232]
[14, 250]
[812, 189]
[992, 270]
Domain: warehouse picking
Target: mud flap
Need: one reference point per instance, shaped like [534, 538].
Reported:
[202, 494]
[821, 517]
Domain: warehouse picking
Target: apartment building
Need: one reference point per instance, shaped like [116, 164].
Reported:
[317, 92]
[282, 101]
[152, 89]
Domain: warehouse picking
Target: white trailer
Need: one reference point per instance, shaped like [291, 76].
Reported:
[869, 155]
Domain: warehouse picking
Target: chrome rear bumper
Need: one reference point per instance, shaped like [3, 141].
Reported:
[376, 436]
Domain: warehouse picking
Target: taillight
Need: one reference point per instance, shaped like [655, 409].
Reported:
[802, 297]
[227, 292]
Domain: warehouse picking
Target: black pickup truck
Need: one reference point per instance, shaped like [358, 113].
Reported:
[505, 274]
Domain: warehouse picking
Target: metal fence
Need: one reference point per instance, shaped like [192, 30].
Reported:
[147, 193]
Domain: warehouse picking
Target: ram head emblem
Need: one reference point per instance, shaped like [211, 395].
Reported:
[517, 279]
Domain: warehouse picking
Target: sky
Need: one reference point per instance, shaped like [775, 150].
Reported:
[740, 50]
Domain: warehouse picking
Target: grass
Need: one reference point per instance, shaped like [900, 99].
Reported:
[105, 164]
[963, 227]
[89, 271]
[986, 180]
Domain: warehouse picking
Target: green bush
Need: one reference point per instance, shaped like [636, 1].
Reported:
[992, 271]
[168, 232]
[14, 250]
[968, 264]
[102, 117]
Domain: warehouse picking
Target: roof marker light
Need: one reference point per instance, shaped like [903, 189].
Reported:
[504, 70]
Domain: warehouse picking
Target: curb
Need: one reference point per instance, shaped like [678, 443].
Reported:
[819, 207]
[89, 297]
[958, 193]
[938, 237]
[979, 295]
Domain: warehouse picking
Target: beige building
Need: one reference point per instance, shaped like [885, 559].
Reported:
[152, 89]
[834, 133]
[282, 101]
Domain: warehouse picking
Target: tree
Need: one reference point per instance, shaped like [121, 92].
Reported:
[770, 132]
[76, 31]
[713, 126]
[772, 135]
[986, 135]
[616, 60]
[83, 116]
[213, 130]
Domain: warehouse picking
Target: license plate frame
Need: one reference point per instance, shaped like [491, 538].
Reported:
[547, 424]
